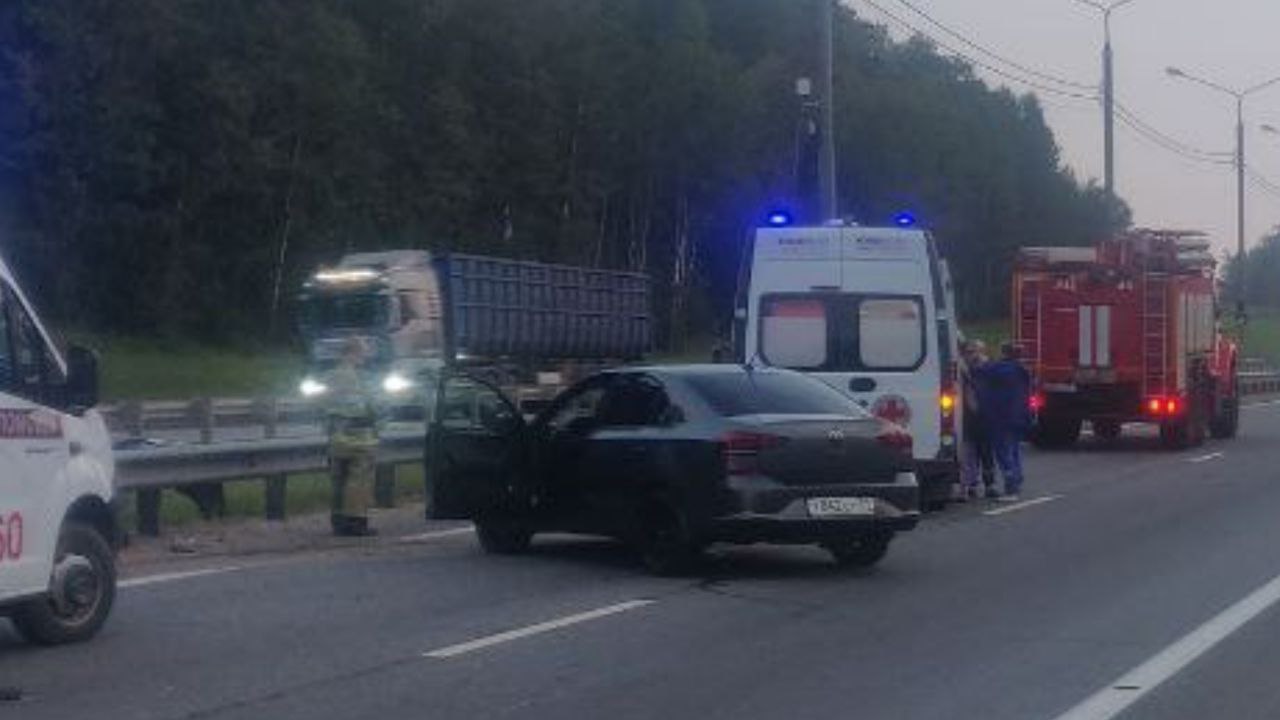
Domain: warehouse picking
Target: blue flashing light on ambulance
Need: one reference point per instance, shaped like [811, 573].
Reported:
[870, 311]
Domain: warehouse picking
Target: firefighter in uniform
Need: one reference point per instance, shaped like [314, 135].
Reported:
[353, 442]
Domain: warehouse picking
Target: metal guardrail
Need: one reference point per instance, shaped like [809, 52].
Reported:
[200, 469]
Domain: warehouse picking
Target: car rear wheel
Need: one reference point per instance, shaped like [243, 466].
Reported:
[861, 552]
[81, 592]
[667, 547]
[503, 535]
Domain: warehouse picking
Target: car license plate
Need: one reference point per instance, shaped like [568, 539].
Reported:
[841, 507]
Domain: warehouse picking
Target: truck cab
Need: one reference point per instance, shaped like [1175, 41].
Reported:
[57, 530]
[868, 311]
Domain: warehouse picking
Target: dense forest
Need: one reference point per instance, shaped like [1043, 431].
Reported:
[1262, 268]
[176, 167]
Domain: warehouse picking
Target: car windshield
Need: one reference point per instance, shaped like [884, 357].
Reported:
[756, 393]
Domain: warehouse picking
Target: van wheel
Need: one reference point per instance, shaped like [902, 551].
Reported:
[82, 590]
[503, 535]
[861, 552]
[667, 547]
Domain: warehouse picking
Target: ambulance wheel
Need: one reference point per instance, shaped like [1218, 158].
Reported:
[503, 535]
[1226, 424]
[82, 590]
[1108, 430]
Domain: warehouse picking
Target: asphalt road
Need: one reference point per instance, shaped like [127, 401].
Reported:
[1135, 584]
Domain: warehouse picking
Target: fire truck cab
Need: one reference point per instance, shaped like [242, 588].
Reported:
[1123, 332]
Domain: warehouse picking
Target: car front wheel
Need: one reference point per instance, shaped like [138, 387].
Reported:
[860, 552]
[81, 592]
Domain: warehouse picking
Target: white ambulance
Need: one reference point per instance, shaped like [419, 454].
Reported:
[870, 312]
[57, 529]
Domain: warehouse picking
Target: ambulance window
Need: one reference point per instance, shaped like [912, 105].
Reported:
[890, 333]
[7, 380]
[794, 332]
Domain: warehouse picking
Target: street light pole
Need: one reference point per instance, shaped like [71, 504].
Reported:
[1239, 96]
[1108, 92]
[827, 158]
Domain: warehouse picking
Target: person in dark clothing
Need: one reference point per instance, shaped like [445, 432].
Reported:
[1004, 395]
[976, 456]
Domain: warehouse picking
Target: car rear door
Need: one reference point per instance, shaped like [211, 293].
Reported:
[475, 451]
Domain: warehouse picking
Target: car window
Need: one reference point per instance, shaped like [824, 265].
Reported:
[467, 405]
[794, 332]
[890, 333]
[731, 394]
[635, 401]
[580, 408]
[29, 367]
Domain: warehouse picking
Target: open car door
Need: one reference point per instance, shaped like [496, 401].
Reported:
[475, 452]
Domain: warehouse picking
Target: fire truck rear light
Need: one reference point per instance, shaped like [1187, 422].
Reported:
[1171, 406]
[1036, 402]
[1154, 406]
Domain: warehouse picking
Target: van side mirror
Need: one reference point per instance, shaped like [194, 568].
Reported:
[82, 379]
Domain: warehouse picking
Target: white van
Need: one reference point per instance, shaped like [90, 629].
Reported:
[869, 311]
[57, 528]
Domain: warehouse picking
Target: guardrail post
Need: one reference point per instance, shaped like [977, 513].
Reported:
[148, 503]
[277, 491]
[384, 486]
[131, 416]
[201, 411]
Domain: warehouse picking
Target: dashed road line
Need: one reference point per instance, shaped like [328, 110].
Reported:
[175, 576]
[1022, 505]
[1207, 458]
[1123, 692]
[452, 651]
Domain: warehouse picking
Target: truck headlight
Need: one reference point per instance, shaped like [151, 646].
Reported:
[311, 387]
[395, 383]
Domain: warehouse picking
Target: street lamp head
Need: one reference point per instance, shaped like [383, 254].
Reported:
[1174, 72]
[1270, 129]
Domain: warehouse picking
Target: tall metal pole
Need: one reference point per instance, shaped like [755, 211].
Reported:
[1108, 110]
[827, 159]
[1240, 166]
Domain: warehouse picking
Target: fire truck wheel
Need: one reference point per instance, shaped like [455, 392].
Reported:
[1226, 424]
[1056, 432]
[1108, 430]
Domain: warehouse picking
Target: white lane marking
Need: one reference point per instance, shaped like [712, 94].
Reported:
[174, 577]
[429, 536]
[1206, 458]
[1265, 403]
[1133, 685]
[1022, 505]
[540, 628]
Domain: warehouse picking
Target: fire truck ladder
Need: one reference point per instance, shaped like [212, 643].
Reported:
[1029, 324]
[1155, 334]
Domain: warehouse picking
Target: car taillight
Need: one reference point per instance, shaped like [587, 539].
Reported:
[741, 451]
[1036, 402]
[895, 438]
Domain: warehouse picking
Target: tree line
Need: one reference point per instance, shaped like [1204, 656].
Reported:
[176, 168]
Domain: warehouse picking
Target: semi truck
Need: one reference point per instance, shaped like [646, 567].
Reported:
[510, 320]
[1127, 331]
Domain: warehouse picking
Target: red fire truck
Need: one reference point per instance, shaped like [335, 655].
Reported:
[1126, 331]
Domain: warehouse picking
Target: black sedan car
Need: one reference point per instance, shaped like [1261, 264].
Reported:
[672, 459]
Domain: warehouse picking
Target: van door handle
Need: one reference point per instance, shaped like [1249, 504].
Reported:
[862, 384]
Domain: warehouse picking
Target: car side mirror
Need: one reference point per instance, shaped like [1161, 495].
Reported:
[82, 378]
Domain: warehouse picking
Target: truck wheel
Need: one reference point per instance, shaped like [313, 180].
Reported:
[1226, 424]
[1108, 430]
[862, 552]
[503, 535]
[81, 592]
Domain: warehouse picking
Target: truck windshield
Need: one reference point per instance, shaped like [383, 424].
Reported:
[323, 312]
